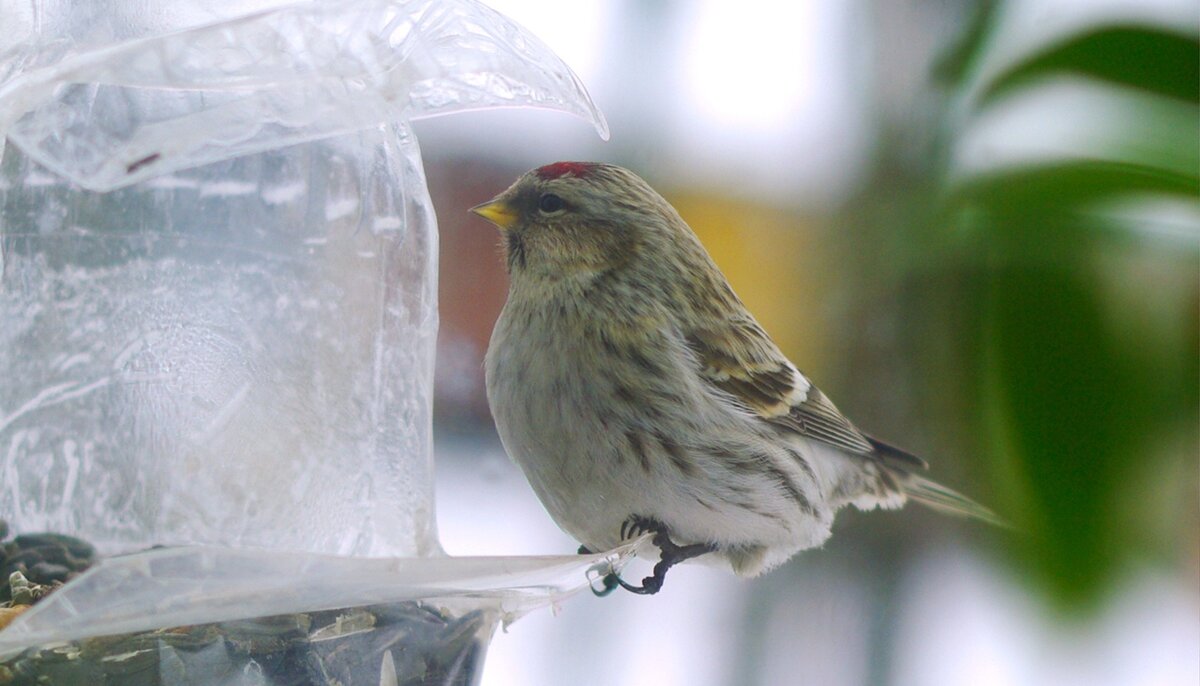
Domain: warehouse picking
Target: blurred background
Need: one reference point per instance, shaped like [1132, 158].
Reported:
[976, 225]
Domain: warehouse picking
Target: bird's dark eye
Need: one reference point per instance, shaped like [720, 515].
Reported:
[550, 203]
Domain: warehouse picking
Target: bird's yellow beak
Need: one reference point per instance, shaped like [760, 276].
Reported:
[497, 212]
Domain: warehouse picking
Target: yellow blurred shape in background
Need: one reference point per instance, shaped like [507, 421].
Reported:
[773, 259]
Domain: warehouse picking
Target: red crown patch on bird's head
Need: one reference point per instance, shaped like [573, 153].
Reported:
[579, 170]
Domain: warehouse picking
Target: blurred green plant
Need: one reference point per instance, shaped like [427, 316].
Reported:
[1066, 221]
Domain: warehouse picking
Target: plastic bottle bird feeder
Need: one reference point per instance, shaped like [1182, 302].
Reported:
[217, 324]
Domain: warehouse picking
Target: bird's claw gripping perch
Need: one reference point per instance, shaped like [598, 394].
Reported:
[670, 555]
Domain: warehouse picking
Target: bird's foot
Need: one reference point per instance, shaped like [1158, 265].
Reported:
[637, 525]
[670, 555]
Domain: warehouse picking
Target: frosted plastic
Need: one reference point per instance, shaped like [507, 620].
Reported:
[240, 352]
[215, 615]
[218, 307]
[236, 354]
[107, 115]
[198, 585]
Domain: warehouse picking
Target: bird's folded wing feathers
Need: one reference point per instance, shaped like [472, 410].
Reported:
[742, 361]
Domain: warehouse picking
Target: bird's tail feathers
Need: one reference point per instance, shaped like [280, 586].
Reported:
[937, 497]
[898, 467]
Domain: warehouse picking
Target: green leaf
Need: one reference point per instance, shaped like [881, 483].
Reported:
[1063, 186]
[1146, 57]
[1062, 411]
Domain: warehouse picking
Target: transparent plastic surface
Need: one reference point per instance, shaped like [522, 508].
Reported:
[396, 644]
[235, 353]
[212, 615]
[109, 114]
[198, 584]
[217, 320]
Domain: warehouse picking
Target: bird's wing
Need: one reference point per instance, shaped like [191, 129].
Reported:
[742, 361]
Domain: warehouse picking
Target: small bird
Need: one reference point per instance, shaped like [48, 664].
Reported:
[638, 395]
